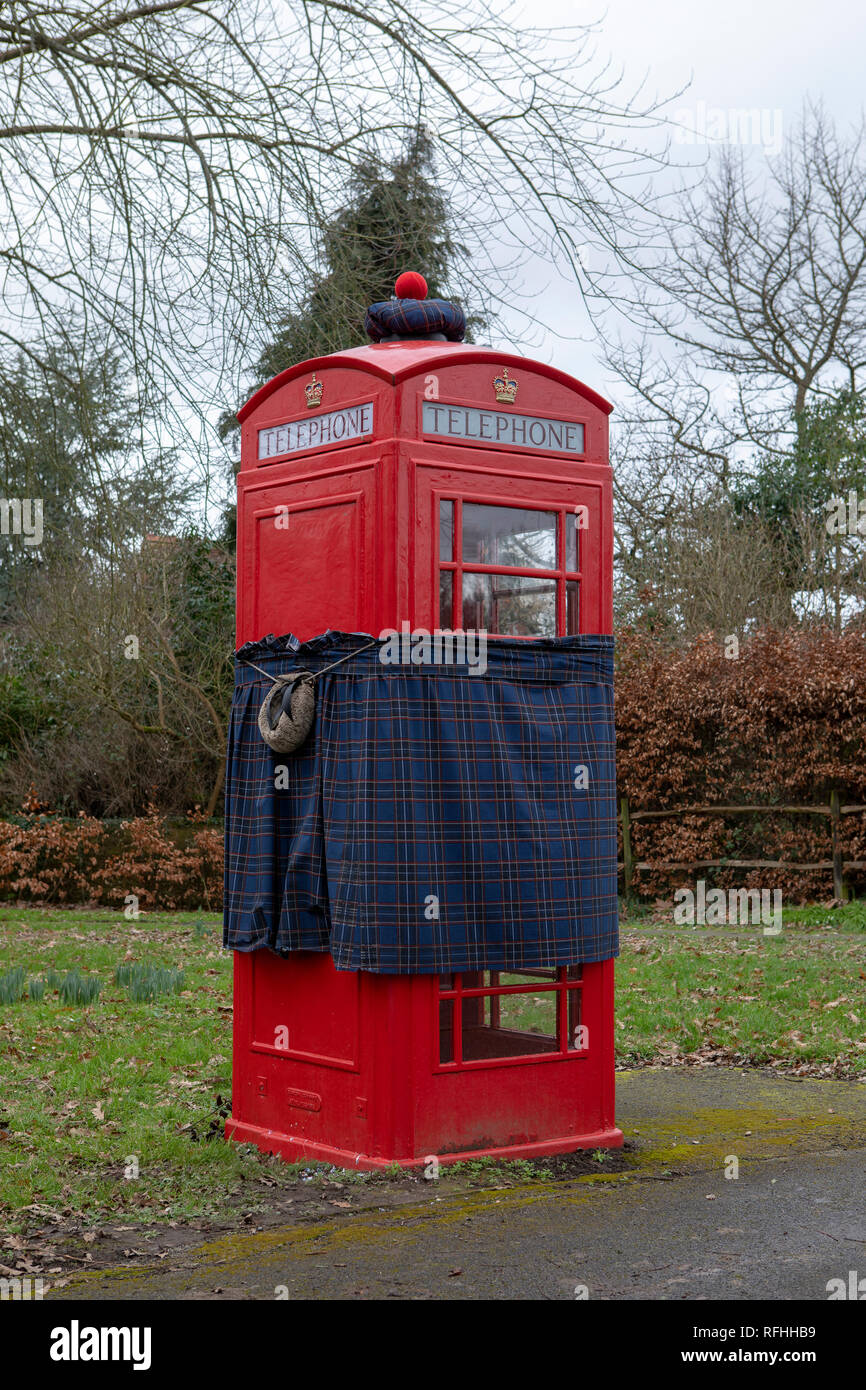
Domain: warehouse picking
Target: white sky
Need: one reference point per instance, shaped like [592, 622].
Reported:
[766, 54]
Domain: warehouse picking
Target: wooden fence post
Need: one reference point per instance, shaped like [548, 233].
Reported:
[626, 848]
[840, 889]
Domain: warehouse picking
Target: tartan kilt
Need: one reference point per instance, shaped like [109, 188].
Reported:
[435, 820]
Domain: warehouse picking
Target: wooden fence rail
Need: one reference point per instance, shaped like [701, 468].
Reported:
[833, 812]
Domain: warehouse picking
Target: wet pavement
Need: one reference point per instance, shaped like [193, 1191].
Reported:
[742, 1186]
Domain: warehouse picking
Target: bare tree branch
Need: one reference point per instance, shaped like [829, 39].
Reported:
[165, 168]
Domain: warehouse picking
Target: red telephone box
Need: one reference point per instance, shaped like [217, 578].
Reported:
[438, 485]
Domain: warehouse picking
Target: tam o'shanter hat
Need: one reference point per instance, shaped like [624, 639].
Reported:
[411, 315]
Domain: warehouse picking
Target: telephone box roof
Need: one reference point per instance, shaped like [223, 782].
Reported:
[394, 362]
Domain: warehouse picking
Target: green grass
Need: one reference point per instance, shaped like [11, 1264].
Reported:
[497, 1170]
[793, 998]
[91, 1090]
[799, 997]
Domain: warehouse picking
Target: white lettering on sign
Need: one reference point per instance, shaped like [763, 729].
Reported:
[333, 428]
[502, 427]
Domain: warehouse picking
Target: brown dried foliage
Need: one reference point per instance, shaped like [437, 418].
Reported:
[783, 723]
[45, 859]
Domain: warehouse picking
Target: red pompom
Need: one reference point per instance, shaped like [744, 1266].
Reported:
[410, 285]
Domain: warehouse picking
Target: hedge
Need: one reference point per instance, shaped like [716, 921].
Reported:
[783, 722]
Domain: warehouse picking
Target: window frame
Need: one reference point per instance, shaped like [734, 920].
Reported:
[562, 986]
[457, 566]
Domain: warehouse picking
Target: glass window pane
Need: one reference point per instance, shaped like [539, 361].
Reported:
[446, 530]
[578, 1040]
[509, 1025]
[509, 536]
[572, 607]
[446, 1030]
[512, 605]
[446, 598]
[572, 542]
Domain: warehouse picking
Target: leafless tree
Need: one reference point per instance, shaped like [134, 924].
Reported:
[164, 165]
[751, 298]
[747, 305]
[136, 675]
[684, 564]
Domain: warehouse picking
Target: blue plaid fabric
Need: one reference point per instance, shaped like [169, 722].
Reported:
[434, 820]
[415, 318]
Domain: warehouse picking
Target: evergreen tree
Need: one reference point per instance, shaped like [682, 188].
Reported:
[71, 444]
[793, 493]
[394, 218]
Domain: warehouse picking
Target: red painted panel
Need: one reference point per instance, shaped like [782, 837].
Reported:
[279, 404]
[395, 363]
[471, 385]
[306, 548]
[521, 1103]
[304, 1007]
[309, 566]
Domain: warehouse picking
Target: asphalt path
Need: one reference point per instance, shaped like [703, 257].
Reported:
[743, 1186]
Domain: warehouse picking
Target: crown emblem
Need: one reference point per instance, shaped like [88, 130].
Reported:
[505, 387]
[313, 392]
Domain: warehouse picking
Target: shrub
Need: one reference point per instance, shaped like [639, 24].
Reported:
[785, 723]
[161, 873]
[46, 859]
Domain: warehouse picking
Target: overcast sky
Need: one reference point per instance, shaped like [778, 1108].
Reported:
[758, 54]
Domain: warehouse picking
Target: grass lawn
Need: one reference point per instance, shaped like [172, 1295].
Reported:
[94, 1094]
[797, 999]
[90, 1090]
